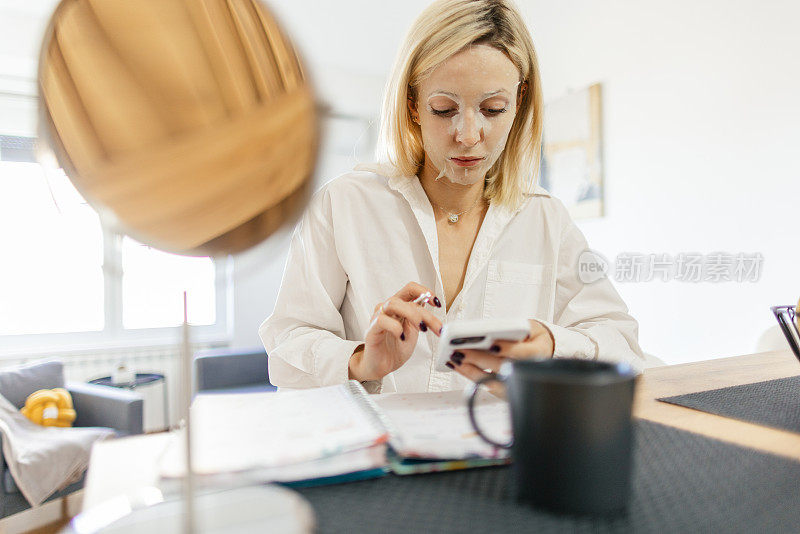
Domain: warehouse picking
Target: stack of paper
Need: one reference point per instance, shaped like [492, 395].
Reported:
[337, 433]
[237, 432]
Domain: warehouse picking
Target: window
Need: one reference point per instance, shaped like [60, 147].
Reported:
[67, 282]
[51, 277]
[153, 283]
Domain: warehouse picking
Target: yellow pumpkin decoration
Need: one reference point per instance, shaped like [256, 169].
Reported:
[50, 407]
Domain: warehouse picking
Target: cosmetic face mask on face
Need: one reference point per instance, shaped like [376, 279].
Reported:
[474, 126]
[474, 174]
[458, 129]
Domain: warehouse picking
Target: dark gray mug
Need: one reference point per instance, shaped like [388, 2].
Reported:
[572, 428]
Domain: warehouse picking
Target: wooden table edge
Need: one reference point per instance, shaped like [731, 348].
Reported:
[693, 377]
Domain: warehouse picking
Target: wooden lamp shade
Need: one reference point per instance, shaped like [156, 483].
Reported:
[187, 124]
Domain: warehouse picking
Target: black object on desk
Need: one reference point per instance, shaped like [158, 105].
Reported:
[572, 427]
[787, 319]
[682, 482]
[773, 403]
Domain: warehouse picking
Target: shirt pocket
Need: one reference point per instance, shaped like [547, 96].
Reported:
[516, 289]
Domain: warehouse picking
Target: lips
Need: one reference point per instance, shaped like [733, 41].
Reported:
[466, 162]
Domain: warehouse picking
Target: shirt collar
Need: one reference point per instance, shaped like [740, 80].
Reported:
[539, 191]
[399, 182]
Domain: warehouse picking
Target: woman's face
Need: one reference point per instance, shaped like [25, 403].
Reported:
[466, 108]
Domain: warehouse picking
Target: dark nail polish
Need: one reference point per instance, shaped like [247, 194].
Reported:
[440, 329]
[457, 357]
[403, 336]
[423, 327]
[437, 302]
[495, 348]
[450, 365]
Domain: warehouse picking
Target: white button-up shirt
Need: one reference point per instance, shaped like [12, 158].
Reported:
[364, 236]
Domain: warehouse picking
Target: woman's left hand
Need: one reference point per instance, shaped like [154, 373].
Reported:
[476, 364]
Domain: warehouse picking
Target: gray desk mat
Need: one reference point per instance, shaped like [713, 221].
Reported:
[683, 482]
[772, 403]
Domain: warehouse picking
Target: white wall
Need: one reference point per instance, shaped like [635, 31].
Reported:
[701, 126]
[701, 121]
[22, 25]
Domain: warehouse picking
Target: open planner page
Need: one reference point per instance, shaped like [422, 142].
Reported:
[234, 432]
[436, 425]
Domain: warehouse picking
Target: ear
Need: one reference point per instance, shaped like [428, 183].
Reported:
[521, 90]
[412, 108]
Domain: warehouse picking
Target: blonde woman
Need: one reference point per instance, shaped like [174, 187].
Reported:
[452, 210]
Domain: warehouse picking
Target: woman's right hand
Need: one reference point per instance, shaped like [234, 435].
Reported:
[392, 333]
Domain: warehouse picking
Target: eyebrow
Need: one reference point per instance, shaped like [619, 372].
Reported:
[485, 95]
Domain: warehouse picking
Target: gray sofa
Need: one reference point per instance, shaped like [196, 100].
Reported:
[231, 371]
[103, 406]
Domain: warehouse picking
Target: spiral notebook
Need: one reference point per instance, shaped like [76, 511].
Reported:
[337, 432]
[432, 432]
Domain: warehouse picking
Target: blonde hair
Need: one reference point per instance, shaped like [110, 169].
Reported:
[441, 30]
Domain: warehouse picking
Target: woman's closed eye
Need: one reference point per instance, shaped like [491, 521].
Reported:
[450, 112]
[444, 112]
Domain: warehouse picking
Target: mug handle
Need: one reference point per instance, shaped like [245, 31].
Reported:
[471, 407]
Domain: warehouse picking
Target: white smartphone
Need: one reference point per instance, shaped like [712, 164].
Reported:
[477, 334]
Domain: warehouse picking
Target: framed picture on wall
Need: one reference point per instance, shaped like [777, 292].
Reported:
[572, 166]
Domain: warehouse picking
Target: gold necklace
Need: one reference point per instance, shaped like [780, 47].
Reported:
[453, 217]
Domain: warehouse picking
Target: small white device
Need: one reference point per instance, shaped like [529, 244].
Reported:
[477, 334]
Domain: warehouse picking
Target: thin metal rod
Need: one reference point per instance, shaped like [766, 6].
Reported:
[186, 402]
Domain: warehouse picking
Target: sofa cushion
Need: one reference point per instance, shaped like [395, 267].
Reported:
[9, 486]
[17, 383]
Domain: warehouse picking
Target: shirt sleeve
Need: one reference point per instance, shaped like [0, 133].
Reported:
[590, 320]
[305, 335]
